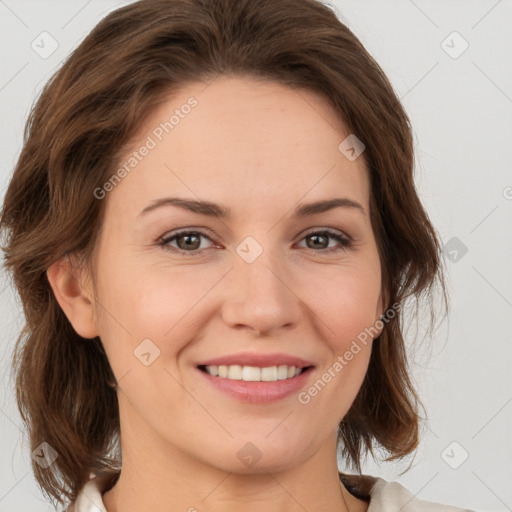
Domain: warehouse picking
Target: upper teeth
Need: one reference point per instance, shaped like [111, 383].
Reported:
[254, 373]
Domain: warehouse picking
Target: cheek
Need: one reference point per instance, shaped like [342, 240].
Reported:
[157, 302]
[345, 299]
[344, 303]
[163, 296]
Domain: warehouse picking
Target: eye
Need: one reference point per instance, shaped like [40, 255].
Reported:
[188, 242]
[320, 240]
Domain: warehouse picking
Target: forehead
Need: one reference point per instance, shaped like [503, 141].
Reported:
[240, 138]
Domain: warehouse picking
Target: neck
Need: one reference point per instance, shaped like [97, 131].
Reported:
[171, 477]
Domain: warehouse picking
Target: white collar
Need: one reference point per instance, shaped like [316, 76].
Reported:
[384, 497]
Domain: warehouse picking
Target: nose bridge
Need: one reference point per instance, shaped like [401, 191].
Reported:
[260, 293]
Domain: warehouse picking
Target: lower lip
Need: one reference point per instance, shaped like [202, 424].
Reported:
[259, 392]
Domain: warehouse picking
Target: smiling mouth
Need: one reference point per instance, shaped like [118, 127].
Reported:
[254, 373]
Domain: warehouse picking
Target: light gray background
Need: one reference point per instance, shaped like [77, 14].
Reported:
[461, 110]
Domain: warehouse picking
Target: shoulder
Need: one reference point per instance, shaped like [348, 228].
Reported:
[384, 496]
[89, 498]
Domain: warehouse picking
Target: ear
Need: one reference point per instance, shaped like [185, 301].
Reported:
[70, 286]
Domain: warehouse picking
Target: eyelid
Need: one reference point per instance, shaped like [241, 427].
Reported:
[188, 229]
[326, 230]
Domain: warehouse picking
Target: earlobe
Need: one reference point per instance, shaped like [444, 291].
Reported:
[74, 298]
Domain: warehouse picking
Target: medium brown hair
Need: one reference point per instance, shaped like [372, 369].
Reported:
[131, 61]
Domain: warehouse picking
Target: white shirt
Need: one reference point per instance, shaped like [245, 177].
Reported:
[384, 497]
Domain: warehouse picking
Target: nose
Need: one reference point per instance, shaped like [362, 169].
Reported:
[260, 296]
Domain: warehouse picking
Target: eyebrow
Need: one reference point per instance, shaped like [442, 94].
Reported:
[214, 210]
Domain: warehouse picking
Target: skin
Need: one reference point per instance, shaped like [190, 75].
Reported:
[260, 149]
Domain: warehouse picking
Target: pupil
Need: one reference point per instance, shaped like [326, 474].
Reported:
[316, 237]
[187, 244]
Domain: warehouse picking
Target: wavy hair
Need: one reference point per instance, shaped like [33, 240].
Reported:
[130, 62]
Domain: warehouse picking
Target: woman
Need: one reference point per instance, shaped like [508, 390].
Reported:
[213, 227]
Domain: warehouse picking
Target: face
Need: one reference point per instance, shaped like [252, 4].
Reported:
[262, 283]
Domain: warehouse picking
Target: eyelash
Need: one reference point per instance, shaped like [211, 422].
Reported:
[345, 241]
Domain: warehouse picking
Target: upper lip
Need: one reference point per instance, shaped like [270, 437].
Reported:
[258, 360]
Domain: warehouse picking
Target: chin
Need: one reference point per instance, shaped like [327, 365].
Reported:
[263, 466]
[260, 455]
